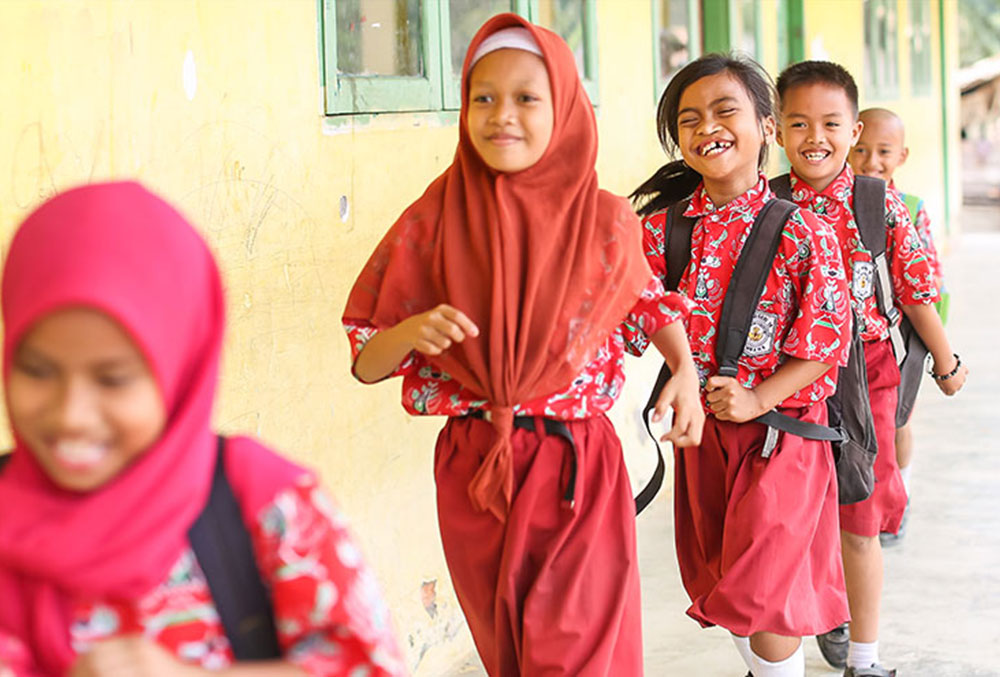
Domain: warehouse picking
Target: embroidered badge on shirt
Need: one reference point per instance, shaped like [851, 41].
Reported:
[760, 338]
[863, 285]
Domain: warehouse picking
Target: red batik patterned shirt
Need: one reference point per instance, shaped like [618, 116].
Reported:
[909, 268]
[804, 311]
[923, 225]
[428, 391]
[330, 616]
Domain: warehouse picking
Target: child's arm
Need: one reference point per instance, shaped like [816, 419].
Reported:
[927, 324]
[729, 401]
[430, 333]
[681, 392]
[138, 656]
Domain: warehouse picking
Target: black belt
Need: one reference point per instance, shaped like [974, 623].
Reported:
[552, 427]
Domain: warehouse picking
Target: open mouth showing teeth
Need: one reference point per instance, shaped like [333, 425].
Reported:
[715, 147]
[79, 453]
[817, 155]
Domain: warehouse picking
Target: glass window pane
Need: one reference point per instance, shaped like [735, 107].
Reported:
[379, 37]
[466, 16]
[566, 17]
[674, 36]
[746, 27]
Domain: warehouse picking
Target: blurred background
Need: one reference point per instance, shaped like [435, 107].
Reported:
[293, 133]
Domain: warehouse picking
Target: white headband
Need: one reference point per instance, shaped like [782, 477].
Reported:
[507, 38]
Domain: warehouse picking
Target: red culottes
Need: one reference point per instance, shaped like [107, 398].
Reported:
[554, 591]
[883, 510]
[757, 538]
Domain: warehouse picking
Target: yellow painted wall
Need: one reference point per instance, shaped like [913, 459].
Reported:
[95, 89]
[834, 30]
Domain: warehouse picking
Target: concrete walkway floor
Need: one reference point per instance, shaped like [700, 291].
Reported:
[941, 609]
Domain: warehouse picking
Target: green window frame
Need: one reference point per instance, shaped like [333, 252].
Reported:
[588, 39]
[726, 26]
[919, 35]
[438, 88]
[694, 47]
[881, 49]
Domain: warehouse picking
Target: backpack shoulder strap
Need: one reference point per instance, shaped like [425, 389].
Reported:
[747, 283]
[782, 186]
[222, 545]
[677, 239]
[678, 243]
[869, 210]
[913, 204]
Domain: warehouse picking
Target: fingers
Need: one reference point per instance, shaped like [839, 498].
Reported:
[441, 328]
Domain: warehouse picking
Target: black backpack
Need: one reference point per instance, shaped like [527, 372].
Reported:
[224, 551]
[910, 351]
[851, 430]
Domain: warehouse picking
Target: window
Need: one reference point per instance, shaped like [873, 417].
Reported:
[881, 53]
[919, 34]
[745, 27]
[381, 56]
[677, 38]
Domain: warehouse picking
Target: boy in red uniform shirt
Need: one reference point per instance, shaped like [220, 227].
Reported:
[819, 124]
[880, 149]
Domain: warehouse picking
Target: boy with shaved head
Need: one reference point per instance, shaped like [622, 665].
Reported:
[880, 149]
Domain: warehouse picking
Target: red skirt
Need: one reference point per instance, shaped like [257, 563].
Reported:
[757, 538]
[883, 510]
[554, 590]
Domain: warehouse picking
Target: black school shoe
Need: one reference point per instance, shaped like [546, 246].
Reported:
[875, 670]
[833, 645]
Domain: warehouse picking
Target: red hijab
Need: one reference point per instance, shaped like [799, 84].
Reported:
[544, 262]
[119, 249]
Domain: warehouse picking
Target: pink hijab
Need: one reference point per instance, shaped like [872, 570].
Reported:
[120, 249]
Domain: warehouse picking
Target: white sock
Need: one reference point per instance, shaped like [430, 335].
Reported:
[743, 646]
[862, 654]
[793, 666]
[905, 473]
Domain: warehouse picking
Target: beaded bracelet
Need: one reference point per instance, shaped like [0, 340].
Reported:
[945, 377]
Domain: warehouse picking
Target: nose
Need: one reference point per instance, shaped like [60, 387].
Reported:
[77, 409]
[815, 133]
[869, 162]
[708, 126]
[503, 111]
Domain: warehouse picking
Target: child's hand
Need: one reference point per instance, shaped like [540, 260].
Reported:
[730, 401]
[681, 394]
[131, 656]
[950, 386]
[435, 331]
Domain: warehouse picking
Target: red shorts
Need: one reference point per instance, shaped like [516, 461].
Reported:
[883, 510]
[757, 538]
[554, 590]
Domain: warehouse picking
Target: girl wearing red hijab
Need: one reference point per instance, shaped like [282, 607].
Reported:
[506, 297]
[113, 318]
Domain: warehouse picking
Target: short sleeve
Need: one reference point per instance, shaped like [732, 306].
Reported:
[655, 309]
[909, 264]
[820, 330]
[330, 615]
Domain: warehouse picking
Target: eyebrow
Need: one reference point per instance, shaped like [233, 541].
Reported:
[838, 114]
[721, 99]
[124, 361]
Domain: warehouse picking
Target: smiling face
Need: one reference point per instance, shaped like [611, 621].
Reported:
[720, 135]
[879, 150]
[510, 115]
[83, 399]
[817, 130]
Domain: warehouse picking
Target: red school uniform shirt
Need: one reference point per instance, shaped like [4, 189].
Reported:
[922, 223]
[429, 391]
[909, 266]
[329, 613]
[804, 310]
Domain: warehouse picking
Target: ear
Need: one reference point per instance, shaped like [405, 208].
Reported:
[777, 134]
[856, 132]
[767, 129]
[903, 155]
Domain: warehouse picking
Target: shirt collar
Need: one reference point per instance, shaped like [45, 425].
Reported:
[839, 190]
[701, 204]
